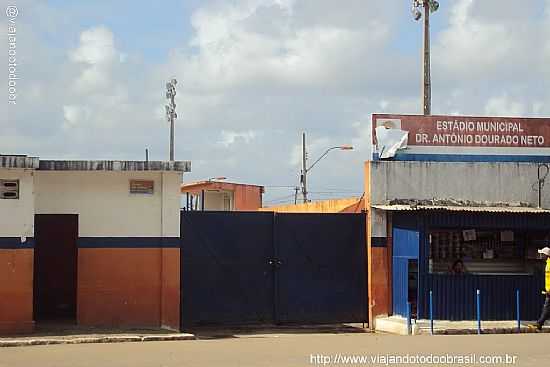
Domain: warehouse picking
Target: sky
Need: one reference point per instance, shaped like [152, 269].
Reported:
[253, 75]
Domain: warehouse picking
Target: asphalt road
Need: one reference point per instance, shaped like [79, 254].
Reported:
[285, 350]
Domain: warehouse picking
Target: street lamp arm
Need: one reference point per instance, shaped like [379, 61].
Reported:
[321, 157]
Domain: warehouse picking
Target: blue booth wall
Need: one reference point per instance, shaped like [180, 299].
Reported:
[454, 295]
[405, 248]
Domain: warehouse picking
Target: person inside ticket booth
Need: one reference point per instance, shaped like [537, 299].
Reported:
[458, 267]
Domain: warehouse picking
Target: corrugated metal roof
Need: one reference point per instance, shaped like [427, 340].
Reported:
[484, 209]
[217, 185]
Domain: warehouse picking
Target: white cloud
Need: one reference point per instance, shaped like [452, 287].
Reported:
[231, 137]
[265, 44]
[97, 46]
[504, 106]
[487, 38]
[97, 52]
[74, 115]
[546, 37]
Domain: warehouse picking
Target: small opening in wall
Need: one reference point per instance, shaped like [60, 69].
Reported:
[9, 189]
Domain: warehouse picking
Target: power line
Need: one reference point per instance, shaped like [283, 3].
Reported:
[282, 198]
[335, 192]
[280, 186]
[336, 189]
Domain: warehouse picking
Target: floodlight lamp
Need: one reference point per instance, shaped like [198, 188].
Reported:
[434, 5]
[346, 147]
[417, 14]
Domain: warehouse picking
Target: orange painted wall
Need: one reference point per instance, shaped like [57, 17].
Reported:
[16, 291]
[170, 298]
[379, 262]
[379, 287]
[356, 207]
[348, 205]
[127, 287]
[247, 198]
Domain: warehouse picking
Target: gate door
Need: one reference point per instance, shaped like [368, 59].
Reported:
[321, 275]
[405, 248]
[226, 274]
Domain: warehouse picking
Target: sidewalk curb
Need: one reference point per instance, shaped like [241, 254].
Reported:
[94, 339]
[523, 330]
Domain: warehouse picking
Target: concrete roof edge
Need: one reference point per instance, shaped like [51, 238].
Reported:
[19, 161]
[113, 165]
[198, 184]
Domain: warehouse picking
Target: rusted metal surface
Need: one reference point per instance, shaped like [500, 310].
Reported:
[18, 161]
[456, 202]
[215, 185]
[484, 209]
[52, 165]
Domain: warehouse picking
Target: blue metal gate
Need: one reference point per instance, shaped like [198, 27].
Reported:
[322, 277]
[405, 248]
[226, 276]
[261, 268]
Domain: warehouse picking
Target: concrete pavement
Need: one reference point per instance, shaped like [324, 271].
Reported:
[398, 325]
[283, 350]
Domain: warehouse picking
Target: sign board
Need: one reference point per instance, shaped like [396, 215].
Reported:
[142, 187]
[468, 138]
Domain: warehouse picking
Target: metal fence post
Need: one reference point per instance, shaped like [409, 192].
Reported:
[409, 326]
[431, 313]
[478, 301]
[518, 311]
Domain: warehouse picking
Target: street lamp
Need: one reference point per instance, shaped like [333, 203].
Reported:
[428, 6]
[305, 169]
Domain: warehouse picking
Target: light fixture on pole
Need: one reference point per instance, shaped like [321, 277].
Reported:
[217, 179]
[305, 169]
[171, 114]
[426, 7]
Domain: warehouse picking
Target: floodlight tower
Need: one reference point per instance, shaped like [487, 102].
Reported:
[428, 6]
[171, 114]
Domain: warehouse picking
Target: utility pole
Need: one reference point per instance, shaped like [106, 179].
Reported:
[428, 6]
[171, 114]
[427, 85]
[304, 168]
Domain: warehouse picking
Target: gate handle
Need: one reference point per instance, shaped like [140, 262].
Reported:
[275, 262]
